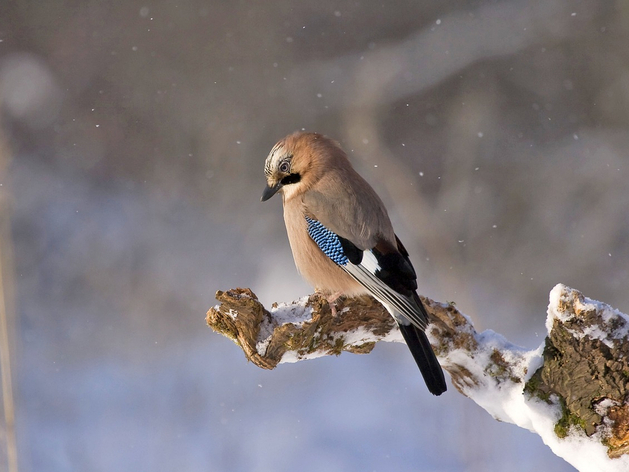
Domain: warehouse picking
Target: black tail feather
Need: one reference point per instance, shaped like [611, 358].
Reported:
[425, 357]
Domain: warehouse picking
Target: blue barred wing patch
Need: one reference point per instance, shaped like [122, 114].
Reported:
[327, 241]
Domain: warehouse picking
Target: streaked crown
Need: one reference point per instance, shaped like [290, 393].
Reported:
[277, 155]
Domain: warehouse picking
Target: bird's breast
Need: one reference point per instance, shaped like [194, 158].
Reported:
[317, 268]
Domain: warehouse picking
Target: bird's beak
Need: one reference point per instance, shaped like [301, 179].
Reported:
[270, 191]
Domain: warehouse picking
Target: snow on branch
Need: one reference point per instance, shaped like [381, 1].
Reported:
[572, 390]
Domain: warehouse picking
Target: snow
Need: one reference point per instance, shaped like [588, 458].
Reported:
[606, 335]
[356, 337]
[290, 357]
[295, 313]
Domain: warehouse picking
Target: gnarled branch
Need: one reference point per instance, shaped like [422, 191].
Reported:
[575, 385]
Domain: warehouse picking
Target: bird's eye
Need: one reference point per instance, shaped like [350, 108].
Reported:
[284, 167]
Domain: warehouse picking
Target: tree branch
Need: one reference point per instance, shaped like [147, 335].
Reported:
[575, 385]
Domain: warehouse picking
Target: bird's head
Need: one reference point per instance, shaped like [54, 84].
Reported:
[297, 162]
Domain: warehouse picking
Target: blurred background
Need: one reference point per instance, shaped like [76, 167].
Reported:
[133, 141]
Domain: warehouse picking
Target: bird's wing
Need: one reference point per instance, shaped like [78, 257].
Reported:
[384, 270]
[353, 212]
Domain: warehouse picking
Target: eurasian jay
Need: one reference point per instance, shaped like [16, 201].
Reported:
[342, 239]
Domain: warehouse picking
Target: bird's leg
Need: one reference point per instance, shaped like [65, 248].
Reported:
[331, 298]
[332, 301]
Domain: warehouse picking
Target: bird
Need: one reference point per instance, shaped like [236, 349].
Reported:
[342, 239]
